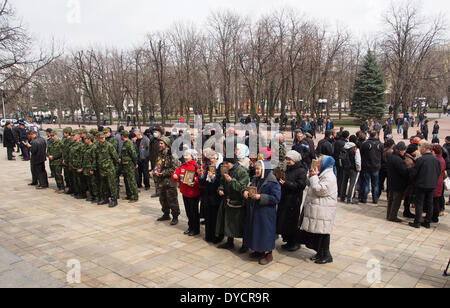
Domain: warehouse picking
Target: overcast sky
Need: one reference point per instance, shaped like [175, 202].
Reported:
[124, 23]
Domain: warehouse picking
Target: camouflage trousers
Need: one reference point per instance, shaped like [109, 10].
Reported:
[168, 197]
[57, 172]
[68, 177]
[108, 185]
[92, 185]
[79, 185]
[129, 177]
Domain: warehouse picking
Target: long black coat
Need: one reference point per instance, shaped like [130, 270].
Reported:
[291, 199]
[8, 138]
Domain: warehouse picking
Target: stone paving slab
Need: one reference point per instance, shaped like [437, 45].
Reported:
[40, 231]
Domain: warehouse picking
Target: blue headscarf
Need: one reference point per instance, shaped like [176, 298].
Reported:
[327, 163]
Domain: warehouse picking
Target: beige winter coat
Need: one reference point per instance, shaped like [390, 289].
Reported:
[321, 203]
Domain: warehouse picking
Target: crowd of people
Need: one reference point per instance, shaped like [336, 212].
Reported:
[250, 196]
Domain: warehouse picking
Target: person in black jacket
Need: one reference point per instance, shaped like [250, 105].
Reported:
[38, 150]
[292, 188]
[371, 152]
[22, 140]
[424, 129]
[302, 146]
[397, 181]
[325, 146]
[211, 200]
[9, 141]
[426, 173]
[339, 145]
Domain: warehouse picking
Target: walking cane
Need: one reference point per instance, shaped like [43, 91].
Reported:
[446, 270]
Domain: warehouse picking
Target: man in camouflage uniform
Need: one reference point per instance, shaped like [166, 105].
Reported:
[129, 163]
[89, 168]
[76, 154]
[166, 165]
[54, 154]
[109, 137]
[106, 157]
[67, 142]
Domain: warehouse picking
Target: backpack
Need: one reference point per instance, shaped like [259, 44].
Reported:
[346, 159]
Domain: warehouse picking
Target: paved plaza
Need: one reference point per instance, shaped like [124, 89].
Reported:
[41, 231]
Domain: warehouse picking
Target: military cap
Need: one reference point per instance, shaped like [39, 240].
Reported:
[76, 132]
[125, 134]
[67, 130]
[166, 141]
[53, 133]
[93, 131]
[90, 137]
[83, 131]
[101, 135]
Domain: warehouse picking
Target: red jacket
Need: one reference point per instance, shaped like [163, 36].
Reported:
[187, 191]
[440, 185]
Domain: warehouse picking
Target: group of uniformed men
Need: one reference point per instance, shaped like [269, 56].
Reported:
[90, 163]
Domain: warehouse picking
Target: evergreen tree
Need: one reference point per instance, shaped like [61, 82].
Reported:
[369, 100]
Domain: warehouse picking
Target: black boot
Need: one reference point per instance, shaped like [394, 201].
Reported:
[316, 257]
[164, 218]
[174, 221]
[228, 245]
[103, 201]
[326, 258]
[113, 203]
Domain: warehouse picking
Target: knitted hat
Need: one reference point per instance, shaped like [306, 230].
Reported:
[294, 155]
[166, 141]
[231, 160]
[266, 153]
[401, 146]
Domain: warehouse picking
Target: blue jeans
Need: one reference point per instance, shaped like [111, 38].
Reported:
[368, 179]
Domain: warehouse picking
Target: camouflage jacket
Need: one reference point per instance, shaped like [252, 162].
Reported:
[89, 160]
[113, 141]
[76, 154]
[66, 143]
[55, 149]
[128, 154]
[166, 164]
[106, 157]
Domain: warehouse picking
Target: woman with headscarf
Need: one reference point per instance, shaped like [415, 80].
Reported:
[211, 200]
[320, 210]
[190, 191]
[242, 154]
[292, 188]
[261, 222]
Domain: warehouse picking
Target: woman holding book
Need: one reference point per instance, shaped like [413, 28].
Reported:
[188, 177]
[263, 195]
